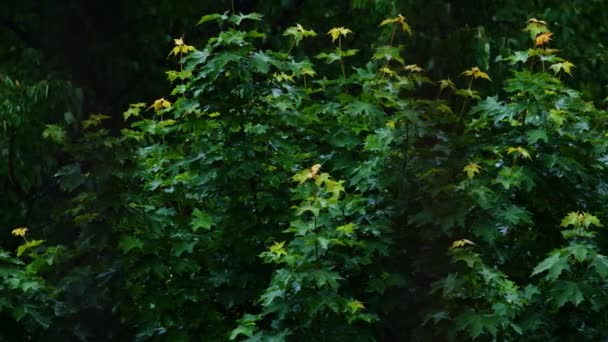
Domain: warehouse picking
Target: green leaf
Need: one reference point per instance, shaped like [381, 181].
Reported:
[323, 278]
[30, 244]
[557, 116]
[535, 135]
[184, 246]
[298, 33]
[54, 133]
[447, 83]
[565, 66]
[70, 177]
[388, 53]
[580, 251]
[514, 215]
[600, 263]
[238, 18]
[570, 220]
[536, 27]
[554, 264]
[94, 120]
[566, 291]
[210, 17]
[519, 57]
[200, 220]
[589, 220]
[247, 326]
[128, 243]
[260, 62]
[468, 93]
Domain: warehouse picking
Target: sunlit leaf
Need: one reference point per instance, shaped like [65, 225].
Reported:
[471, 169]
[336, 32]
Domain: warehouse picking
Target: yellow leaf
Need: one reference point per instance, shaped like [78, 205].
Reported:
[160, 104]
[386, 22]
[536, 27]
[336, 32]
[471, 169]
[314, 170]
[355, 306]
[278, 249]
[283, 77]
[444, 108]
[413, 68]
[307, 174]
[400, 20]
[19, 232]
[347, 228]
[536, 21]
[542, 38]
[181, 47]
[476, 73]
[565, 66]
[519, 150]
[462, 243]
[446, 84]
[94, 120]
[387, 71]
[307, 71]
[404, 25]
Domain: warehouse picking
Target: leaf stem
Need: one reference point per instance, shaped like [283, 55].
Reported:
[341, 61]
[465, 100]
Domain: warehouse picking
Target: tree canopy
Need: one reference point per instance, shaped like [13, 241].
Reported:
[295, 170]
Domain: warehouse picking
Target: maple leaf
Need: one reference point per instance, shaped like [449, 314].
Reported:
[446, 84]
[536, 21]
[476, 73]
[307, 174]
[388, 71]
[314, 170]
[536, 27]
[565, 66]
[307, 71]
[19, 232]
[468, 93]
[200, 219]
[519, 56]
[520, 151]
[283, 77]
[413, 68]
[298, 32]
[471, 169]
[347, 228]
[160, 104]
[336, 32]
[94, 120]
[399, 20]
[181, 47]
[355, 306]
[462, 243]
[278, 249]
[542, 38]
[558, 116]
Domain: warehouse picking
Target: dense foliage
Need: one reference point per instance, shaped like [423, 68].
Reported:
[309, 185]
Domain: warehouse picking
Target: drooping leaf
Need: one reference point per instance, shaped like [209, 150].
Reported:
[555, 264]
